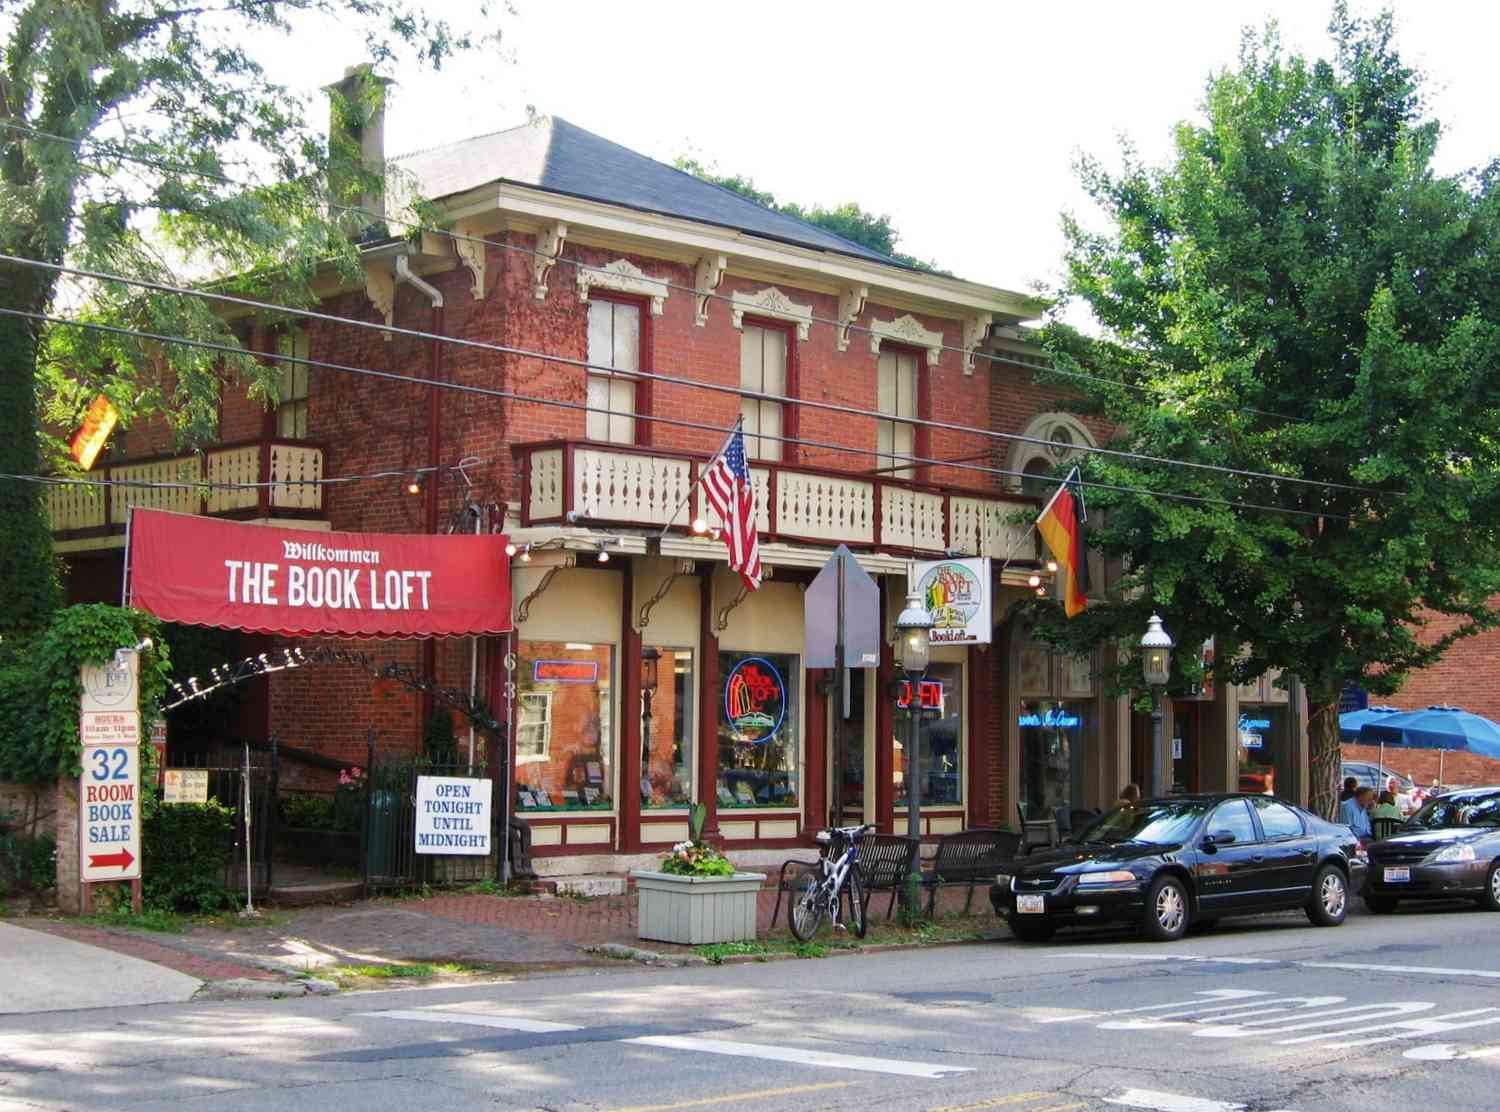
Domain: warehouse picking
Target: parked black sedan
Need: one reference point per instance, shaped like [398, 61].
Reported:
[1168, 864]
[1449, 849]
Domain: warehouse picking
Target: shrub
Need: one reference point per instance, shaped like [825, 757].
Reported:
[27, 863]
[184, 848]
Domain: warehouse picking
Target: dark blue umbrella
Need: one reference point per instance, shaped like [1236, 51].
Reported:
[1350, 723]
[1435, 728]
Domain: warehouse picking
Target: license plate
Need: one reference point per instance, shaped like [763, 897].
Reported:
[1031, 905]
[1397, 874]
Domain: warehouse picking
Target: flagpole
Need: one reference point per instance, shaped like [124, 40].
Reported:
[702, 471]
[1011, 555]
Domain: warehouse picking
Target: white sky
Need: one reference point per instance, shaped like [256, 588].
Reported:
[960, 119]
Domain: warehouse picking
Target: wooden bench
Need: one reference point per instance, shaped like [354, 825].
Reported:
[969, 856]
[884, 861]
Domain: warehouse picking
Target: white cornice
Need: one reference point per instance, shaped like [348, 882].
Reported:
[540, 206]
[770, 302]
[907, 330]
[624, 276]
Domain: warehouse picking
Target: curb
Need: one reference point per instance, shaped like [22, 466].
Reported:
[622, 952]
[244, 988]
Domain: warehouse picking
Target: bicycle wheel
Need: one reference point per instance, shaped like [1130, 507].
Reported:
[854, 890]
[806, 911]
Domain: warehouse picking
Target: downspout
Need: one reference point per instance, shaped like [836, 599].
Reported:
[434, 454]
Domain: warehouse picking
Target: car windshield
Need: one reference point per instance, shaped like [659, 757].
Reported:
[1163, 823]
[1458, 810]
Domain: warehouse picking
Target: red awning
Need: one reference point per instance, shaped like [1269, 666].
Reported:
[298, 582]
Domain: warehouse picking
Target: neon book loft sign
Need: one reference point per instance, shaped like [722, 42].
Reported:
[1052, 720]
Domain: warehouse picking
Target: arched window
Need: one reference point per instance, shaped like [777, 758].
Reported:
[1064, 436]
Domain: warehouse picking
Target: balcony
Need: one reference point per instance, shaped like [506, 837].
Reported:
[290, 467]
[582, 481]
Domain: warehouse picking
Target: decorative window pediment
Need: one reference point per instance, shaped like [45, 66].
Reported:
[770, 302]
[623, 276]
[907, 330]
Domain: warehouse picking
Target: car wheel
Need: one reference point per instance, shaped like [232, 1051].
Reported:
[1167, 913]
[1029, 930]
[1490, 901]
[1381, 905]
[1330, 898]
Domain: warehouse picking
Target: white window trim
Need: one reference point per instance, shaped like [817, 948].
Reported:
[772, 303]
[907, 330]
[623, 276]
[546, 724]
[1042, 427]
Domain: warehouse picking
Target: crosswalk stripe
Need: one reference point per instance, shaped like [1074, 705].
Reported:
[477, 1019]
[1204, 997]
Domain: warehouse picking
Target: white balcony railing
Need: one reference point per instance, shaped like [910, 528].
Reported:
[639, 486]
[207, 482]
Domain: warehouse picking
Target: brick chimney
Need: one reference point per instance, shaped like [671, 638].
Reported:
[356, 146]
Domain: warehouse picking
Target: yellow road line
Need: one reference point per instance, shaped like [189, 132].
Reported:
[1061, 1107]
[997, 1102]
[757, 1094]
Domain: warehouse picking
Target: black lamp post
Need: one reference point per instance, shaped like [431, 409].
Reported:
[913, 648]
[1156, 666]
[650, 659]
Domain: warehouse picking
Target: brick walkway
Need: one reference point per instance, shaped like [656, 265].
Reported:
[152, 948]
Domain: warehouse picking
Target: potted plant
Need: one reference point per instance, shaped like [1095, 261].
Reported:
[696, 896]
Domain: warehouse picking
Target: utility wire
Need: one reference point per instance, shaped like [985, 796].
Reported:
[415, 225]
[807, 403]
[674, 422]
[210, 484]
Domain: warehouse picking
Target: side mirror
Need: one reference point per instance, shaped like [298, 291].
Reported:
[1217, 838]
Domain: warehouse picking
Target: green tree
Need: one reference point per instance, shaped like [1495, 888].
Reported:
[849, 220]
[127, 130]
[1296, 293]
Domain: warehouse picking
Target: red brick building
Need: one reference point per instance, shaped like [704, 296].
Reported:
[691, 307]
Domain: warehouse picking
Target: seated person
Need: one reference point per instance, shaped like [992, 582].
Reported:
[1355, 811]
[1386, 808]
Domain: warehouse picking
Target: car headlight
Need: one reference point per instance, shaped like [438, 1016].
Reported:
[1454, 854]
[1117, 876]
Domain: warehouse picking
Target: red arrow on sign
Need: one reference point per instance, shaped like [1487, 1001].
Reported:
[104, 860]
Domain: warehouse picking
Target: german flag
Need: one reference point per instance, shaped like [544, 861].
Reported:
[1062, 527]
[98, 423]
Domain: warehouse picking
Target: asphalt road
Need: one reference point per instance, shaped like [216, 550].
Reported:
[1398, 1012]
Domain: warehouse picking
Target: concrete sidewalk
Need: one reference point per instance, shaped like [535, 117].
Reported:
[41, 972]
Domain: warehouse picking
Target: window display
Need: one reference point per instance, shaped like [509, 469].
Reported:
[1262, 734]
[760, 730]
[564, 726]
[942, 743]
[1052, 743]
[667, 751]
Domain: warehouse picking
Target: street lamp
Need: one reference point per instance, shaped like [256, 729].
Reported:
[650, 658]
[1156, 666]
[913, 649]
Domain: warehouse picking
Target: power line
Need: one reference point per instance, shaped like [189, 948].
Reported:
[806, 403]
[211, 484]
[674, 422]
[415, 225]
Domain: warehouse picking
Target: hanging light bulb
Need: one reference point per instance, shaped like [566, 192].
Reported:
[700, 526]
[526, 555]
[510, 548]
[1034, 581]
[603, 553]
[1051, 567]
[414, 484]
[1041, 592]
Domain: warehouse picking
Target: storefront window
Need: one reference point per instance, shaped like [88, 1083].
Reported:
[942, 743]
[1052, 745]
[1264, 737]
[759, 730]
[667, 756]
[564, 726]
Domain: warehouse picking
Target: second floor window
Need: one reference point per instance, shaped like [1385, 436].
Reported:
[897, 439]
[291, 409]
[763, 363]
[614, 342]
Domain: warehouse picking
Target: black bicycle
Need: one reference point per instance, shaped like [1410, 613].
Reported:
[823, 889]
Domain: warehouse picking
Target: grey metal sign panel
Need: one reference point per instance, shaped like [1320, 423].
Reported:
[861, 614]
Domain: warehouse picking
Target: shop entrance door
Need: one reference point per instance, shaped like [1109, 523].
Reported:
[856, 792]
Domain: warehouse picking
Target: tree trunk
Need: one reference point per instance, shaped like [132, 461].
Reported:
[1325, 747]
[28, 572]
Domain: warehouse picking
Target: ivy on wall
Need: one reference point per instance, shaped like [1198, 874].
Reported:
[40, 687]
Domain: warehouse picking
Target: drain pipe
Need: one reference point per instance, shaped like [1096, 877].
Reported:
[434, 452]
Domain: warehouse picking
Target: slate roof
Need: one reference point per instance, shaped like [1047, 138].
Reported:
[560, 157]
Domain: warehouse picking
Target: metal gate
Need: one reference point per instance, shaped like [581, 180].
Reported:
[227, 779]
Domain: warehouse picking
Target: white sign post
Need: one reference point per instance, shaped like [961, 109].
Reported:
[109, 787]
[453, 815]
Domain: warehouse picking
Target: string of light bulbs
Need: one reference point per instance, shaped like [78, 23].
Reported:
[676, 380]
[673, 422]
[418, 226]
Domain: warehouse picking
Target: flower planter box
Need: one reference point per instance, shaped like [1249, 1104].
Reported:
[693, 910]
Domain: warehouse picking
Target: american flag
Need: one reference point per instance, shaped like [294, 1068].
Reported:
[730, 492]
